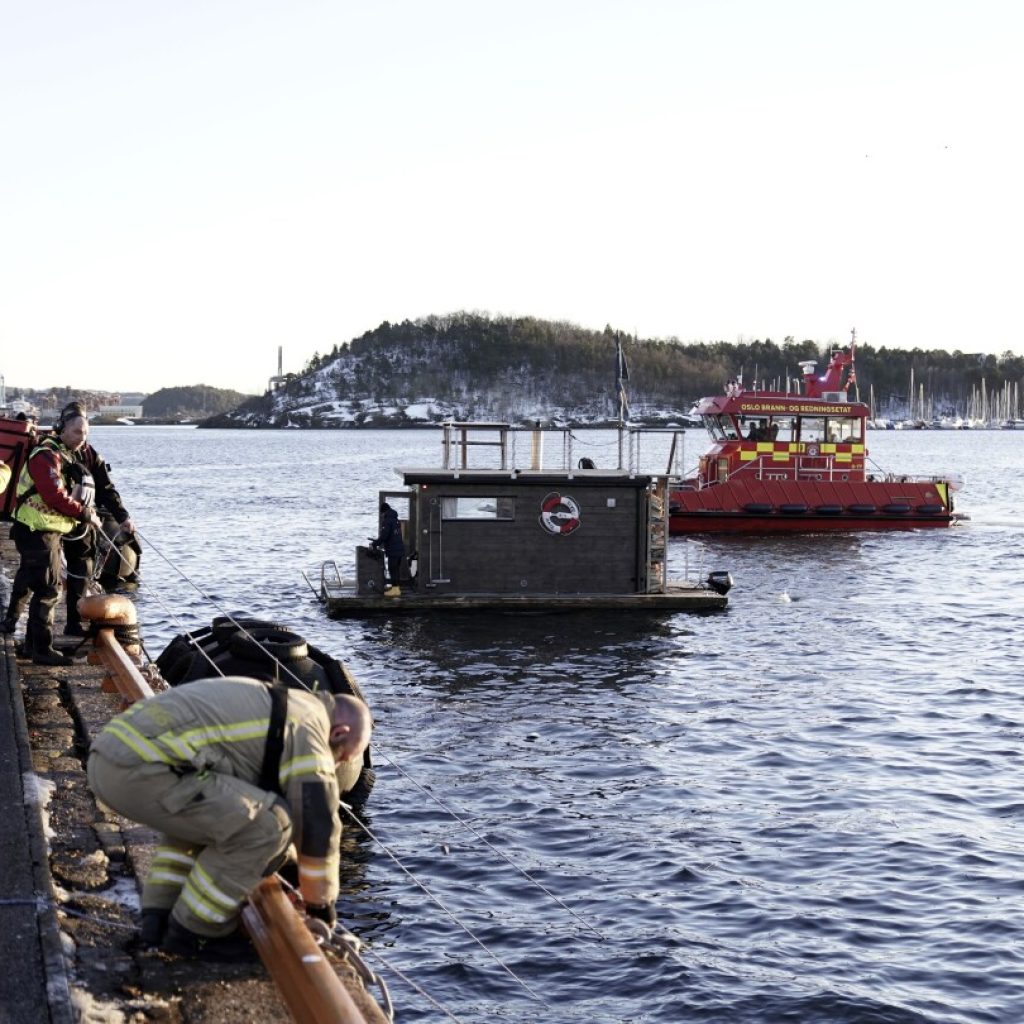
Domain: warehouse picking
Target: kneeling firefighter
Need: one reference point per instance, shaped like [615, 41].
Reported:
[53, 498]
[231, 771]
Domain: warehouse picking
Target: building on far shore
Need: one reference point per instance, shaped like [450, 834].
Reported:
[131, 412]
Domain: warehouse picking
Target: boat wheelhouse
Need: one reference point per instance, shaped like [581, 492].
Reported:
[495, 528]
[784, 462]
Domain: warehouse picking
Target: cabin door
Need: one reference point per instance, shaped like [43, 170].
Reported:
[431, 564]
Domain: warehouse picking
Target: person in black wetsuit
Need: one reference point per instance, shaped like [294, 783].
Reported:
[389, 540]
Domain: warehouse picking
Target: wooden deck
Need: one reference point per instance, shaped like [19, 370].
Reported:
[678, 597]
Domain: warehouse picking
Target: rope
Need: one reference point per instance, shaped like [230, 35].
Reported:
[593, 444]
[348, 947]
[224, 612]
[469, 828]
[441, 905]
[418, 989]
[41, 903]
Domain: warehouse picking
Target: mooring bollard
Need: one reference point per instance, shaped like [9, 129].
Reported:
[108, 613]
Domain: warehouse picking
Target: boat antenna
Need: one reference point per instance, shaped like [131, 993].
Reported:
[852, 379]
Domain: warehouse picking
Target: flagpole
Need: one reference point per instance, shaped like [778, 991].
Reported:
[621, 375]
[853, 358]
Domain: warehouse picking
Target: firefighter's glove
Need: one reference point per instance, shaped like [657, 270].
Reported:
[323, 912]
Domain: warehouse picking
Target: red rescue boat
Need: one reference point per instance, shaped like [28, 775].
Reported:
[797, 462]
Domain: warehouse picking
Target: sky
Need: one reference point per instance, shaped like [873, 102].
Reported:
[187, 186]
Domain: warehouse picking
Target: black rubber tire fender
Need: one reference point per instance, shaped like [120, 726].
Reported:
[183, 643]
[272, 643]
[224, 627]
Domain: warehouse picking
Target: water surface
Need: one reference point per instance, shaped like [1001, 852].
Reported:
[805, 809]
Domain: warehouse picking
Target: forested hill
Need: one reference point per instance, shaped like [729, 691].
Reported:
[195, 402]
[471, 366]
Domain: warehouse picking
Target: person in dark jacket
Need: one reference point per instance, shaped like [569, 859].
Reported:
[389, 540]
[80, 546]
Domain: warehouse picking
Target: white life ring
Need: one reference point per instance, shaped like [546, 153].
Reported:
[559, 514]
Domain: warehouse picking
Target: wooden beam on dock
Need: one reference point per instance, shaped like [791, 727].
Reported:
[305, 977]
[130, 682]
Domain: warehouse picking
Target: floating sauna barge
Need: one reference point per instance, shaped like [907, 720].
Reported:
[484, 534]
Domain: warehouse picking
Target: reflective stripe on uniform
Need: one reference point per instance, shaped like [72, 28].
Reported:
[170, 867]
[205, 900]
[307, 765]
[185, 745]
[135, 741]
[172, 854]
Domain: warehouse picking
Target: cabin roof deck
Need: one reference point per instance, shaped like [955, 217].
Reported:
[603, 477]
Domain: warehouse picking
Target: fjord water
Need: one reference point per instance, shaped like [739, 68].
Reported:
[805, 809]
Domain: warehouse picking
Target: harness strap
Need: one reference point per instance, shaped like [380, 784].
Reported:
[270, 771]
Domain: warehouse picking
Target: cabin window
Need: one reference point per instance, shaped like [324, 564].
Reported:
[721, 428]
[759, 429]
[811, 428]
[843, 429]
[477, 508]
[833, 429]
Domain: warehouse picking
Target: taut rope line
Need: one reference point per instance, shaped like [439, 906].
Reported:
[469, 828]
[348, 810]
[440, 904]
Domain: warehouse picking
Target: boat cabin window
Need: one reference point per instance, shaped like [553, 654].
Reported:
[721, 428]
[832, 429]
[477, 508]
[757, 429]
[844, 429]
[810, 428]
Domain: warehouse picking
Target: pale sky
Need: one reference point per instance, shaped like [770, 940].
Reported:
[188, 185]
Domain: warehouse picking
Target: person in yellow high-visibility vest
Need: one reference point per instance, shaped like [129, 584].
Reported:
[231, 771]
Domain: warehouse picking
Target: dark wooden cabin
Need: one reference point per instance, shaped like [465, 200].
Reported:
[501, 535]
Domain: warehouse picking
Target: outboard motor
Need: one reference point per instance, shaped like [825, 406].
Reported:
[720, 581]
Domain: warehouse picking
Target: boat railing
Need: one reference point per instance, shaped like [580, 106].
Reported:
[808, 467]
[331, 580]
[638, 450]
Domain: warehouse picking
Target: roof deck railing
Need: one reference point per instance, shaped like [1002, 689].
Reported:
[637, 450]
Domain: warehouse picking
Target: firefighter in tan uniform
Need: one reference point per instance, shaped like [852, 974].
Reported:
[231, 772]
